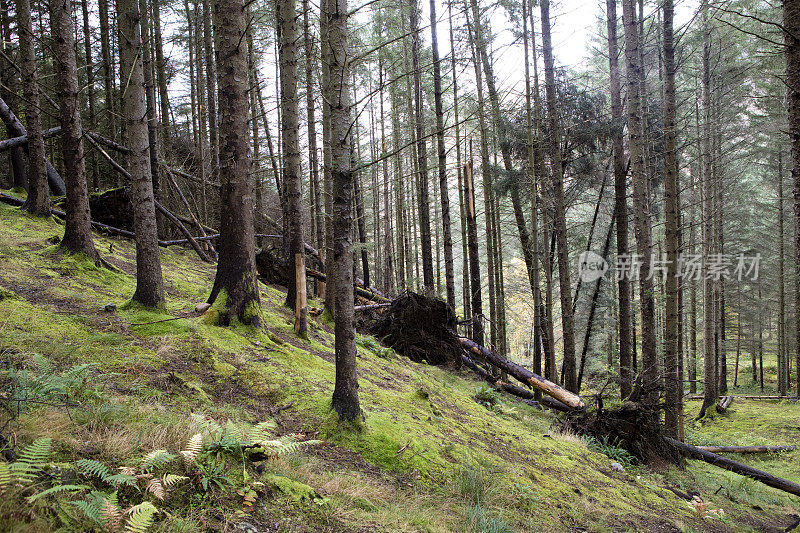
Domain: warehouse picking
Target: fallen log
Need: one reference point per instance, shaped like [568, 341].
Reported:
[108, 143]
[524, 375]
[749, 397]
[15, 128]
[747, 449]
[367, 294]
[694, 452]
[724, 403]
[22, 140]
[370, 307]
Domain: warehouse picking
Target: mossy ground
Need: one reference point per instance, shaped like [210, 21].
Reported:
[427, 458]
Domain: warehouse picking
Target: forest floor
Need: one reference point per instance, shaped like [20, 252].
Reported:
[437, 451]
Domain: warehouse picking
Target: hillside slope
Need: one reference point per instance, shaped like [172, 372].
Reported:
[428, 457]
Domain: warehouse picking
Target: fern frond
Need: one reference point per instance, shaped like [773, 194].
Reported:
[111, 515]
[141, 517]
[264, 430]
[5, 476]
[56, 490]
[118, 480]
[94, 468]
[169, 480]
[91, 511]
[193, 449]
[37, 454]
[155, 487]
[155, 459]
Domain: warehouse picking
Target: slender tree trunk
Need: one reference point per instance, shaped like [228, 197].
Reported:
[640, 195]
[620, 201]
[150, 95]
[296, 295]
[791, 24]
[108, 69]
[783, 370]
[422, 155]
[90, 94]
[161, 78]
[78, 229]
[208, 40]
[327, 96]
[442, 164]
[135, 111]
[710, 383]
[8, 92]
[560, 222]
[234, 292]
[345, 393]
[38, 201]
[313, 160]
[673, 387]
[474, 260]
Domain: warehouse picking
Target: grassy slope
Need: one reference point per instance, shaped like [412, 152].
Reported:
[428, 458]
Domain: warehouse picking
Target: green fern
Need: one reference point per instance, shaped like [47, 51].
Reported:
[285, 445]
[141, 517]
[5, 476]
[94, 468]
[58, 489]
[155, 460]
[31, 460]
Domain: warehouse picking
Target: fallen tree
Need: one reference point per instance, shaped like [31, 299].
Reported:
[695, 452]
[724, 403]
[22, 140]
[746, 449]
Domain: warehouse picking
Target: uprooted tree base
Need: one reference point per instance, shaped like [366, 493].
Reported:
[634, 426]
[420, 328]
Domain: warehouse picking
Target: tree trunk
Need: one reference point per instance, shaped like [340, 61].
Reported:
[108, 69]
[313, 160]
[447, 238]
[560, 222]
[296, 295]
[161, 78]
[345, 393]
[38, 201]
[211, 89]
[474, 259]
[620, 201]
[235, 289]
[135, 112]
[640, 195]
[150, 96]
[422, 157]
[709, 354]
[673, 387]
[90, 95]
[791, 24]
[78, 228]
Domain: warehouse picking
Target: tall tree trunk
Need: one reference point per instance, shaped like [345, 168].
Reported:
[791, 24]
[8, 92]
[422, 153]
[150, 95]
[442, 164]
[313, 160]
[673, 388]
[296, 295]
[161, 78]
[131, 22]
[208, 40]
[709, 354]
[474, 259]
[90, 95]
[78, 229]
[108, 69]
[783, 370]
[620, 201]
[327, 96]
[345, 393]
[560, 222]
[235, 291]
[460, 173]
[38, 201]
[640, 195]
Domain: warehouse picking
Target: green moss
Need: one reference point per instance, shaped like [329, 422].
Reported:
[294, 491]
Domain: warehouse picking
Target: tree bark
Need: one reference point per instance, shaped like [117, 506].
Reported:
[235, 281]
[620, 201]
[791, 23]
[78, 228]
[673, 387]
[135, 112]
[211, 89]
[108, 69]
[345, 394]
[474, 259]
[447, 238]
[38, 201]
[640, 194]
[560, 222]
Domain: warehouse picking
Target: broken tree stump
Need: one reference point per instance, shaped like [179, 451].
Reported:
[694, 452]
[724, 403]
